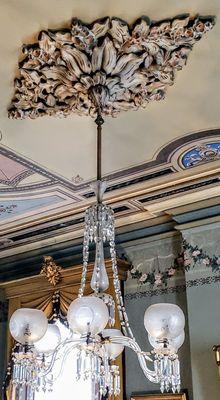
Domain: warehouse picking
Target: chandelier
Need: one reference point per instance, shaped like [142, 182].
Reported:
[99, 70]
[39, 344]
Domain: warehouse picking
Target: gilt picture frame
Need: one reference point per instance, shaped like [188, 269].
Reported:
[159, 396]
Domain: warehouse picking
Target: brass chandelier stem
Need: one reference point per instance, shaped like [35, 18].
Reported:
[99, 122]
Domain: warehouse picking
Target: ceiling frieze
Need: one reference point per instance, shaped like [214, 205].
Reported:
[107, 65]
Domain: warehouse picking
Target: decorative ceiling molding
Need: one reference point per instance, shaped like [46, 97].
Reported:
[12, 172]
[30, 213]
[14, 163]
[107, 64]
[171, 158]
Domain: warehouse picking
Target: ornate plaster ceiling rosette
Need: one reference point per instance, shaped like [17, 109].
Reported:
[107, 64]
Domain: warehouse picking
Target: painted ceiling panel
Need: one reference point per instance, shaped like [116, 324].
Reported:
[184, 153]
[11, 172]
[9, 209]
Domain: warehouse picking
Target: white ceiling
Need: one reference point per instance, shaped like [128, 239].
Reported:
[67, 146]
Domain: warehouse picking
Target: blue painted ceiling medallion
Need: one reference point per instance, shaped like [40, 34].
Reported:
[200, 154]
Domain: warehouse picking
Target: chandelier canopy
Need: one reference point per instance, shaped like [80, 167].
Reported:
[99, 69]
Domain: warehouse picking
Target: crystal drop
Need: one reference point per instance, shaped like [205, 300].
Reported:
[100, 281]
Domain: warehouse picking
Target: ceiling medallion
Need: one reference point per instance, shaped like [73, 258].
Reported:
[109, 63]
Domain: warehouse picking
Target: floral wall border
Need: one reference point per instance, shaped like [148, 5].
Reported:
[187, 259]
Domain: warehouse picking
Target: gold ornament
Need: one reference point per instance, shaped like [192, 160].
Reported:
[51, 270]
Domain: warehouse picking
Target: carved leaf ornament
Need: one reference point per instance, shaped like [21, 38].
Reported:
[51, 270]
[106, 64]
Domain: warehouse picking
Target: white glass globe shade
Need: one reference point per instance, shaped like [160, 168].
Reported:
[113, 349]
[87, 314]
[29, 320]
[50, 340]
[154, 342]
[178, 341]
[164, 320]
[174, 343]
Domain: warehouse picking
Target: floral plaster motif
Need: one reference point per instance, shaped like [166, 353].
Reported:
[107, 64]
[51, 270]
[77, 179]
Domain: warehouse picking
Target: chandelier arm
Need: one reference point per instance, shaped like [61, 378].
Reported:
[66, 354]
[132, 344]
[142, 357]
[56, 351]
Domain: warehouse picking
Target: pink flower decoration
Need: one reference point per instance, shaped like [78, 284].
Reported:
[158, 280]
[171, 271]
[143, 278]
[206, 261]
[195, 253]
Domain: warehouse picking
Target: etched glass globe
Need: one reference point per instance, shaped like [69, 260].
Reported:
[113, 349]
[178, 341]
[28, 325]
[164, 320]
[50, 340]
[157, 344]
[87, 314]
[173, 344]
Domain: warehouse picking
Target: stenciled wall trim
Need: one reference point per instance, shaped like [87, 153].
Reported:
[174, 289]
